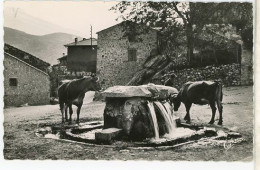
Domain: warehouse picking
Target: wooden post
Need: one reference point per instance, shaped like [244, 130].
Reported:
[91, 35]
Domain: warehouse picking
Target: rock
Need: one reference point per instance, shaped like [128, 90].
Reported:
[210, 131]
[233, 135]
[51, 136]
[221, 135]
[201, 132]
[235, 128]
[107, 135]
[42, 131]
[48, 129]
[124, 151]
[39, 135]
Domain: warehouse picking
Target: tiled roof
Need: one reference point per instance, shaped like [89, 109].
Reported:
[61, 58]
[84, 42]
[26, 57]
[127, 22]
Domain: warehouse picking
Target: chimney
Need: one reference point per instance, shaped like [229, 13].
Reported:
[76, 40]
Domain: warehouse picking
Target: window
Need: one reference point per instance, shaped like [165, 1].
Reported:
[132, 54]
[13, 82]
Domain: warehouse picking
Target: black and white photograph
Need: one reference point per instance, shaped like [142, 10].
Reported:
[129, 80]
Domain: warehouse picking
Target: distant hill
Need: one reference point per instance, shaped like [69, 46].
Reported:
[47, 47]
[18, 19]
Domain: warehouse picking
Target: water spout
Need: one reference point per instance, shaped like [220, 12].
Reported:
[154, 119]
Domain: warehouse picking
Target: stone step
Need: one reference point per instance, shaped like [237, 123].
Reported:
[108, 135]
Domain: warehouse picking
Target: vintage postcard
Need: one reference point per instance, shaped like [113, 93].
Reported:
[130, 80]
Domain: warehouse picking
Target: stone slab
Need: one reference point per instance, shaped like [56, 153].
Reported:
[126, 91]
[107, 135]
[149, 90]
[88, 127]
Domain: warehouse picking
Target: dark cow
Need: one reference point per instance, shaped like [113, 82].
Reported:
[200, 92]
[73, 92]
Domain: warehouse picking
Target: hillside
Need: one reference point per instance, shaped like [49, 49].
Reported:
[47, 47]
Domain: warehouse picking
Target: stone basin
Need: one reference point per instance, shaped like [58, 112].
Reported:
[183, 135]
[127, 109]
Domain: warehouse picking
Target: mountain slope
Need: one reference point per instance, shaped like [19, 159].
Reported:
[47, 47]
[18, 19]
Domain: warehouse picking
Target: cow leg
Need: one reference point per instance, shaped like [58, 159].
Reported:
[213, 108]
[220, 110]
[66, 112]
[71, 112]
[187, 116]
[78, 112]
[62, 111]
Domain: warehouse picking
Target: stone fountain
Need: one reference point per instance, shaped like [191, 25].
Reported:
[139, 116]
[139, 112]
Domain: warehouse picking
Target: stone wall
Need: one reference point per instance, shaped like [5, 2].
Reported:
[82, 58]
[113, 66]
[33, 85]
[229, 75]
[246, 66]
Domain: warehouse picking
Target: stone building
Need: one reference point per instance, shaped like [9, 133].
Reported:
[119, 57]
[24, 83]
[63, 60]
[82, 55]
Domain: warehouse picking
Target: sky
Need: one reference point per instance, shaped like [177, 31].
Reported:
[74, 17]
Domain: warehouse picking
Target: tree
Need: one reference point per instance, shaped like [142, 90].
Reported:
[177, 18]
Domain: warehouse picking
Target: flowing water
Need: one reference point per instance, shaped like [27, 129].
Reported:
[154, 119]
[169, 122]
[168, 108]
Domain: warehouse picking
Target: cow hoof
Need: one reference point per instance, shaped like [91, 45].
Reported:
[211, 122]
[219, 123]
[188, 121]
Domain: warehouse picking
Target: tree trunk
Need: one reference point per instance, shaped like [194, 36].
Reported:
[190, 42]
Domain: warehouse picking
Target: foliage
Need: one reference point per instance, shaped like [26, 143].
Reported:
[181, 22]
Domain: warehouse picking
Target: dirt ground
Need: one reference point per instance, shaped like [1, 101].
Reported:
[20, 141]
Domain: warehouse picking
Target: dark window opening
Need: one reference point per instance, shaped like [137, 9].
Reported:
[13, 82]
[132, 54]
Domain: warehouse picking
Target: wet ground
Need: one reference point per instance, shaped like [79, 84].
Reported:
[21, 142]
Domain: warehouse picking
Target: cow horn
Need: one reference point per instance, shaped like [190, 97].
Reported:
[97, 79]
